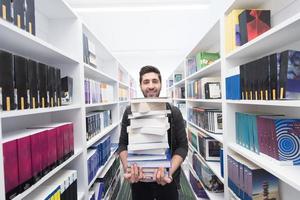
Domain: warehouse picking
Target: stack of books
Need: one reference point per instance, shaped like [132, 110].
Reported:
[147, 135]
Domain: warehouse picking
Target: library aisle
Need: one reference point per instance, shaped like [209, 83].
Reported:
[64, 89]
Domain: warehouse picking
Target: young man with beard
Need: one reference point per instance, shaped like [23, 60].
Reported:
[163, 187]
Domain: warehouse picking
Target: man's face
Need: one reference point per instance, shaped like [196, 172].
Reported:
[150, 85]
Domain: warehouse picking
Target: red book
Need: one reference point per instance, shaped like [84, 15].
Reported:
[60, 144]
[11, 172]
[52, 149]
[24, 162]
[66, 141]
[71, 138]
[44, 150]
[36, 155]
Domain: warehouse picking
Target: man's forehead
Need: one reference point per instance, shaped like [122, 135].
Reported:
[150, 75]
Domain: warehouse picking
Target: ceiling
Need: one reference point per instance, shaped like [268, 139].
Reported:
[142, 32]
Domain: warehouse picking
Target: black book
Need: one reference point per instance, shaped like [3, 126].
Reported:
[50, 86]
[21, 84]
[289, 75]
[43, 89]
[247, 81]
[58, 87]
[212, 90]
[67, 90]
[242, 81]
[274, 67]
[265, 77]
[7, 101]
[30, 16]
[5, 11]
[243, 26]
[18, 13]
[32, 79]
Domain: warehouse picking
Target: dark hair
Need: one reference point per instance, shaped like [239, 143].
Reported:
[148, 69]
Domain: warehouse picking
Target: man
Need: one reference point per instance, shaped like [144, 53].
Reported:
[163, 187]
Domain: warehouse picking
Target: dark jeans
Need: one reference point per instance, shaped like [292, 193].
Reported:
[149, 191]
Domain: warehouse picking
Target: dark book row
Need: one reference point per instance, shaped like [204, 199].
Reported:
[19, 12]
[206, 146]
[32, 153]
[276, 136]
[205, 88]
[209, 180]
[25, 83]
[98, 154]
[209, 119]
[61, 186]
[109, 185]
[97, 92]
[249, 181]
[278, 78]
[96, 122]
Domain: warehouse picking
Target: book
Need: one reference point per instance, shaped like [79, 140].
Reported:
[136, 138]
[5, 11]
[7, 96]
[58, 88]
[157, 113]
[160, 131]
[29, 7]
[151, 163]
[253, 23]
[149, 151]
[66, 90]
[42, 85]
[141, 157]
[149, 122]
[212, 90]
[289, 75]
[21, 84]
[18, 13]
[147, 146]
[32, 79]
[209, 148]
[11, 172]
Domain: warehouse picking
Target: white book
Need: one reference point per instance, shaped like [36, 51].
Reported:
[149, 151]
[152, 163]
[137, 157]
[149, 100]
[149, 122]
[143, 107]
[148, 146]
[149, 130]
[206, 80]
[150, 113]
[143, 138]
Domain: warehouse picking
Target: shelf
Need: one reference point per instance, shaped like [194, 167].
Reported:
[178, 99]
[80, 195]
[244, 4]
[91, 72]
[218, 137]
[186, 174]
[19, 113]
[288, 174]
[277, 37]
[20, 42]
[121, 102]
[104, 167]
[215, 101]
[100, 135]
[49, 175]
[211, 195]
[234, 197]
[123, 85]
[214, 166]
[278, 103]
[100, 104]
[110, 187]
[211, 69]
[179, 83]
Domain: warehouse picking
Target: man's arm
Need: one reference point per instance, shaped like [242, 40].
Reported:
[179, 153]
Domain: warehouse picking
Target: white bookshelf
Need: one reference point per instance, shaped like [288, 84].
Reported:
[285, 22]
[58, 42]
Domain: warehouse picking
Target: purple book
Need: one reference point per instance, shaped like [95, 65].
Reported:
[11, 173]
[24, 162]
[36, 156]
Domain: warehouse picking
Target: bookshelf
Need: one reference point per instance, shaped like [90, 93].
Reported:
[285, 19]
[58, 42]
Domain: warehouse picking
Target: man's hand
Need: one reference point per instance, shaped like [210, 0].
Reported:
[134, 174]
[160, 177]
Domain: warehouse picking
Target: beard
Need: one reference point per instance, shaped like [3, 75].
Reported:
[148, 94]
